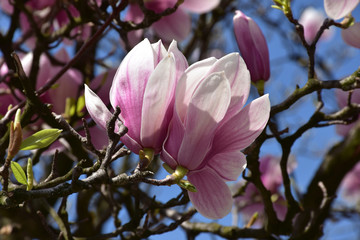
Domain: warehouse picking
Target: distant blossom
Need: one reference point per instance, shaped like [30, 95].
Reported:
[175, 26]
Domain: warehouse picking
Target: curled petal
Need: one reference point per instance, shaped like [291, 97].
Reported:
[241, 130]
[228, 165]
[337, 9]
[213, 197]
[180, 59]
[96, 108]
[351, 35]
[189, 82]
[207, 108]
[253, 46]
[239, 78]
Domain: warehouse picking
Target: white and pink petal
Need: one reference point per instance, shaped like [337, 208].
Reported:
[241, 130]
[207, 108]
[228, 165]
[213, 198]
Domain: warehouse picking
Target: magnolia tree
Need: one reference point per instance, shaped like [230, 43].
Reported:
[131, 119]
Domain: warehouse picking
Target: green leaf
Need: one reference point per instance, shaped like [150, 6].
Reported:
[18, 173]
[40, 139]
[30, 175]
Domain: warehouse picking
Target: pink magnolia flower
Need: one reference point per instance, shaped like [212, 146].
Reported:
[351, 184]
[253, 46]
[175, 26]
[312, 20]
[342, 99]
[66, 87]
[143, 88]
[251, 202]
[209, 128]
[351, 35]
[337, 9]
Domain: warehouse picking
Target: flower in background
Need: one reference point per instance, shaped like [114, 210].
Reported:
[143, 88]
[337, 9]
[342, 100]
[251, 201]
[351, 184]
[50, 16]
[312, 20]
[175, 26]
[65, 88]
[253, 46]
[209, 128]
[351, 35]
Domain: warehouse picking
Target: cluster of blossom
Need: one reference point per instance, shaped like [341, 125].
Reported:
[313, 19]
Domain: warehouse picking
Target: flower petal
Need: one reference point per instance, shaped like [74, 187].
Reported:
[175, 26]
[96, 108]
[351, 35]
[200, 6]
[129, 85]
[188, 82]
[213, 197]
[228, 165]
[157, 109]
[180, 59]
[207, 108]
[239, 78]
[240, 131]
[337, 9]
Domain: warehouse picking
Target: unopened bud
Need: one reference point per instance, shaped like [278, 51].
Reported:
[15, 136]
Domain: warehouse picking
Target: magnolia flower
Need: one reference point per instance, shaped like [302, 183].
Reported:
[312, 20]
[209, 128]
[175, 26]
[251, 201]
[253, 46]
[342, 100]
[337, 9]
[351, 184]
[143, 88]
[351, 35]
[65, 88]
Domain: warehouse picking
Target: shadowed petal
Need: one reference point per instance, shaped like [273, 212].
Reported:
[213, 197]
[158, 96]
[206, 109]
[240, 131]
[229, 165]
